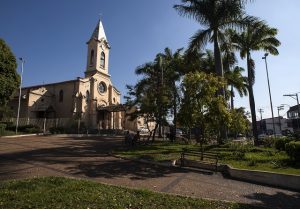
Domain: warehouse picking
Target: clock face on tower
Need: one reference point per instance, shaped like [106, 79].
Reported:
[102, 87]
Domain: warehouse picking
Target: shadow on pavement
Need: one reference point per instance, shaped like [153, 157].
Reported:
[277, 201]
[86, 157]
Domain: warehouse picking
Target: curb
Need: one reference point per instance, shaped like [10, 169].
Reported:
[22, 135]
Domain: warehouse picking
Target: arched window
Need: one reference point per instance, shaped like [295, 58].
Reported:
[102, 60]
[87, 96]
[61, 96]
[92, 57]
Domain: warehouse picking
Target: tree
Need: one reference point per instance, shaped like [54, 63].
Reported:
[150, 95]
[239, 123]
[236, 81]
[233, 77]
[215, 16]
[9, 78]
[200, 107]
[257, 36]
[173, 70]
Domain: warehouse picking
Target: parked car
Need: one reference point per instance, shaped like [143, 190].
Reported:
[143, 130]
[179, 132]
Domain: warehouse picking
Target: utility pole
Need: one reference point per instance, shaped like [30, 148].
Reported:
[279, 108]
[20, 92]
[261, 112]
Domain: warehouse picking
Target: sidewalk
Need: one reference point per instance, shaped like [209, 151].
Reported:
[87, 158]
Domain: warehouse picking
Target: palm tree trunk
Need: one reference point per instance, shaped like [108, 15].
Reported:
[218, 60]
[175, 107]
[220, 72]
[252, 101]
[231, 97]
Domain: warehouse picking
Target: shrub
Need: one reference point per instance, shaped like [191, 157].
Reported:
[252, 162]
[293, 150]
[268, 141]
[281, 142]
[29, 129]
[2, 129]
[57, 130]
[239, 154]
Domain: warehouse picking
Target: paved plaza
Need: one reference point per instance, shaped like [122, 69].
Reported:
[88, 158]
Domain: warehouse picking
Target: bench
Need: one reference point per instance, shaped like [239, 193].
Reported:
[205, 157]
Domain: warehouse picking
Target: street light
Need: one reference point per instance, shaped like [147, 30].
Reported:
[19, 104]
[265, 58]
[295, 96]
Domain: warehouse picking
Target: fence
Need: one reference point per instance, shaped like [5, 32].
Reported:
[42, 123]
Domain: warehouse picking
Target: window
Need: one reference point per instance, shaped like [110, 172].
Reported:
[92, 57]
[87, 96]
[102, 87]
[61, 96]
[102, 60]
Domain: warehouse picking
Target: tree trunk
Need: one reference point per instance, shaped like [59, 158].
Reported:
[175, 108]
[154, 131]
[252, 101]
[220, 72]
[231, 97]
[218, 60]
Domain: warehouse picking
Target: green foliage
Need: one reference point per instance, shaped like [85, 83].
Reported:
[5, 112]
[239, 123]
[57, 130]
[32, 129]
[2, 129]
[281, 142]
[256, 36]
[293, 150]
[155, 95]
[244, 156]
[9, 78]
[201, 107]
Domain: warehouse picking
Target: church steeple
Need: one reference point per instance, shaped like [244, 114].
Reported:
[98, 52]
[99, 32]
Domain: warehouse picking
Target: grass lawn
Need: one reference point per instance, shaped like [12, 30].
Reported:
[58, 192]
[11, 133]
[253, 158]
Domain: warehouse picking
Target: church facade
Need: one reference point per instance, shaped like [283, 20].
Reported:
[94, 99]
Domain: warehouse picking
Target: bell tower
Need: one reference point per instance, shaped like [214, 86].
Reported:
[98, 52]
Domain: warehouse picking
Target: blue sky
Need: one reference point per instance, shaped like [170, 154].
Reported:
[51, 35]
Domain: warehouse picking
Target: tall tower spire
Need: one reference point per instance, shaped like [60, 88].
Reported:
[99, 32]
[98, 52]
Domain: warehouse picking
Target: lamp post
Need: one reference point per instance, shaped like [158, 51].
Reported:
[265, 58]
[295, 96]
[20, 91]
[278, 109]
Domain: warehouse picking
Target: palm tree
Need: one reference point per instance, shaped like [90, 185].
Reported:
[215, 16]
[236, 81]
[173, 63]
[234, 77]
[257, 36]
[233, 73]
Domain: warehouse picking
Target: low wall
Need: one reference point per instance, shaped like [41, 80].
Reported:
[285, 181]
[273, 179]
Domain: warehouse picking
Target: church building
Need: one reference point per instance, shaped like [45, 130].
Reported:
[94, 99]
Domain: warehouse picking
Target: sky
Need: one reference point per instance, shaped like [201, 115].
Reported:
[51, 36]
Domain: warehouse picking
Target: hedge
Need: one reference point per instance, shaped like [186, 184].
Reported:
[293, 150]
